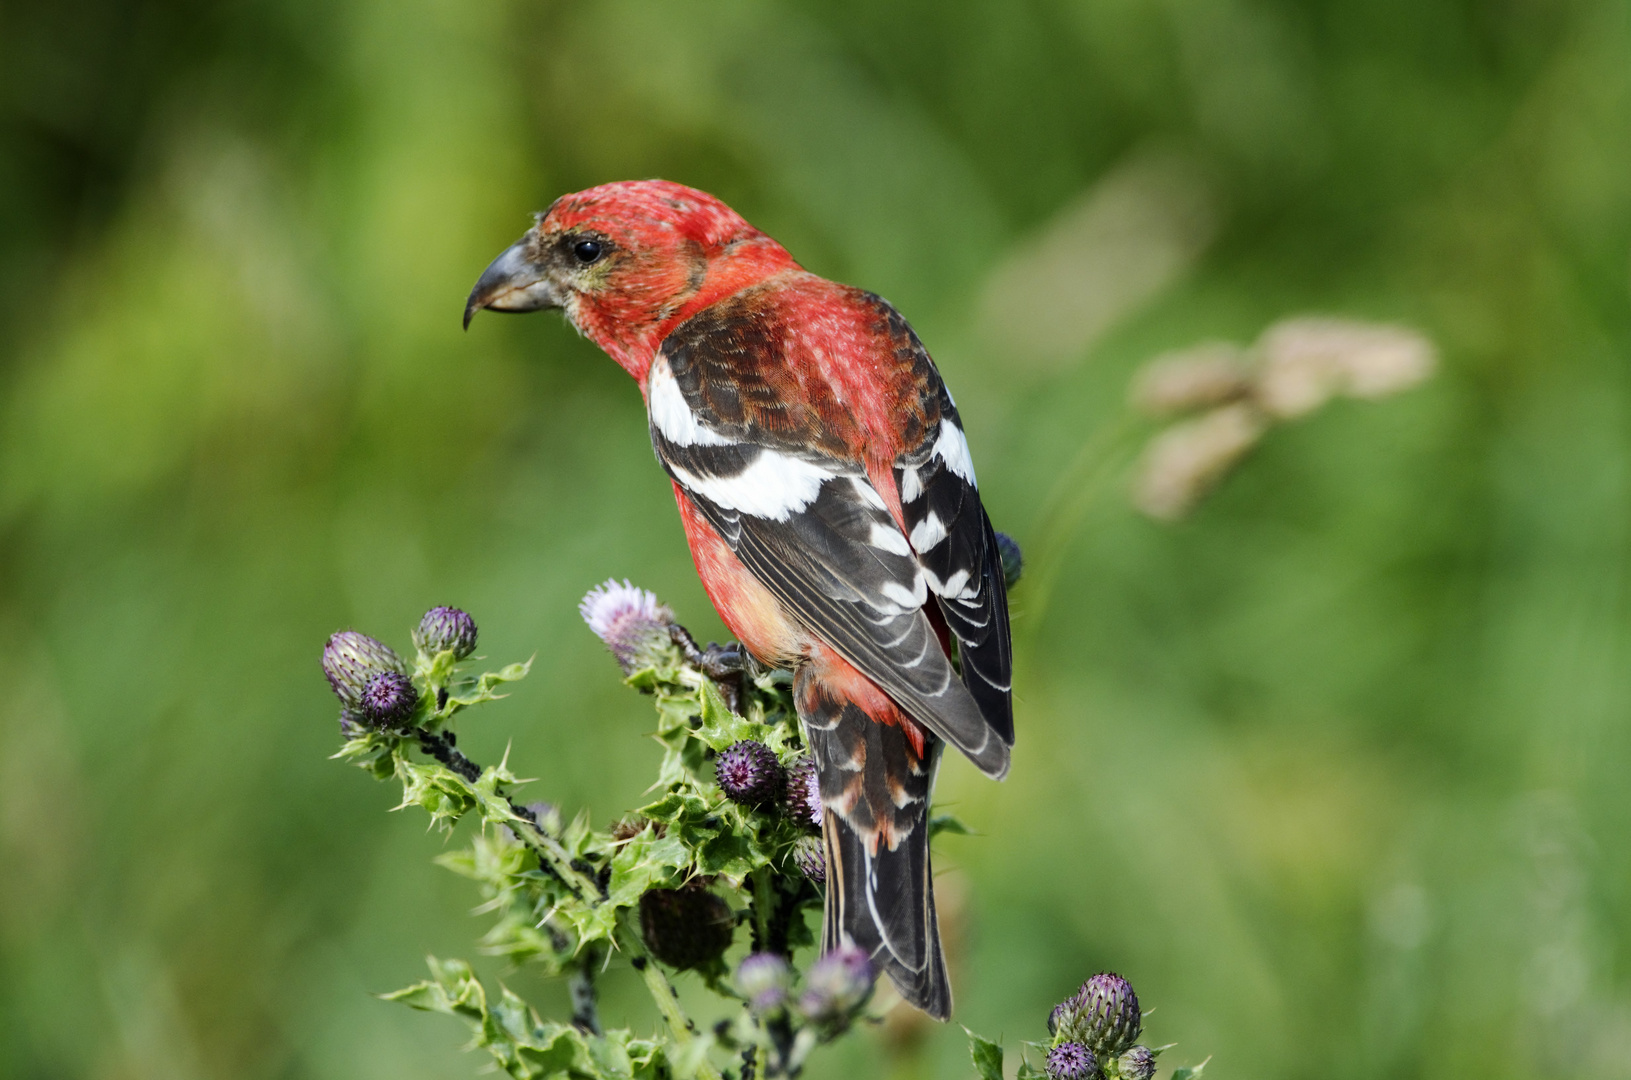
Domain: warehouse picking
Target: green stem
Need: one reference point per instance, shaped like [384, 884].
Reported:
[440, 746]
[764, 908]
[662, 992]
[1100, 459]
[547, 846]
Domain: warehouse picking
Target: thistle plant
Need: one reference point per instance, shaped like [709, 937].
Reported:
[726, 854]
[1092, 1035]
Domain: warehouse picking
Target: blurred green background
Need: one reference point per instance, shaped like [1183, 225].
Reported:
[1335, 770]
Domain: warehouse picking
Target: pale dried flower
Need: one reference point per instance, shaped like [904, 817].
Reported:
[1308, 360]
[1184, 462]
[1203, 375]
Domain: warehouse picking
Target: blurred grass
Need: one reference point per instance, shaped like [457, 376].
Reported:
[1334, 771]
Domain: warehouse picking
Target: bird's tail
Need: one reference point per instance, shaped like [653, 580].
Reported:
[876, 775]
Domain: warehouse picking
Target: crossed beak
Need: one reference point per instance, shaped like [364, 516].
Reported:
[512, 283]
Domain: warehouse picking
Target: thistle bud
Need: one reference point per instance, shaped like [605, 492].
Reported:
[837, 985]
[764, 979]
[1071, 1061]
[1062, 1016]
[350, 659]
[630, 621]
[1137, 1064]
[1106, 1015]
[810, 854]
[686, 927]
[804, 793]
[1013, 559]
[749, 774]
[443, 629]
[388, 699]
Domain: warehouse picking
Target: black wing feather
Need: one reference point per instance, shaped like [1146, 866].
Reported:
[965, 572]
[839, 561]
[834, 583]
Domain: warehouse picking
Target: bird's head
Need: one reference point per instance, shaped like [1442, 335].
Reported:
[627, 262]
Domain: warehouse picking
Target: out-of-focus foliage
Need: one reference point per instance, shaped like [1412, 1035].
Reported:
[1352, 735]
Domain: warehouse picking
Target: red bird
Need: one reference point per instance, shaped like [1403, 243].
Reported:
[829, 500]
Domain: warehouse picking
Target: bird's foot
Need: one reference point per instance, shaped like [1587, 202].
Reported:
[729, 665]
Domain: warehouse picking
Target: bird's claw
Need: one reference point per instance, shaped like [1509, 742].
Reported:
[729, 665]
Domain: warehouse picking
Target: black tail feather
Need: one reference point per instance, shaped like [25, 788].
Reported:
[884, 904]
[876, 781]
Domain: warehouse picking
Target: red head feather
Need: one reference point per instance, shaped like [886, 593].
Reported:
[678, 250]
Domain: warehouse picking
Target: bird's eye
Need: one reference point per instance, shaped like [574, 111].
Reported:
[587, 251]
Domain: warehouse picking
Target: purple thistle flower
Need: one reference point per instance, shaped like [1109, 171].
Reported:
[810, 855]
[445, 628]
[764, 979]
[630, 621]
[1137, 1064]
[388, 699]
[837, 985]
[749, 774]
[804, 793]
[350, 659]
[1071, 1061]
[1107, 1017]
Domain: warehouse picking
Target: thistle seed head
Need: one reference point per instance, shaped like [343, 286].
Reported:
[686, 927]
[445, 628]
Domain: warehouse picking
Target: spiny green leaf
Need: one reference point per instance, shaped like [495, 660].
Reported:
[987, 1056]
[484, 687]
[644, 862]
[452, 989]
[443, 793]
[1189, 1072]
[730, 854]
[687, 1059]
